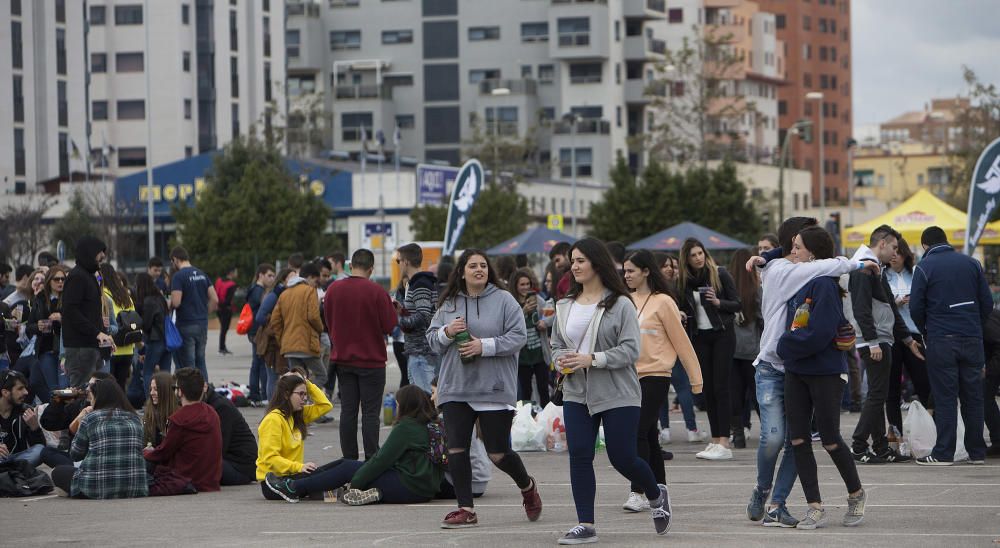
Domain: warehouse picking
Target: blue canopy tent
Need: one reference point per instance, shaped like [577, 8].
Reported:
[534, 240]
[673, 238]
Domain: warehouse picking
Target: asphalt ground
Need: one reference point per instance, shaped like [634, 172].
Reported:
[907, 505]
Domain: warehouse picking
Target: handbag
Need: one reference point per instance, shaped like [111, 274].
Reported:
[172, 334]
[129, 328]
[245, 322]
[557, 394]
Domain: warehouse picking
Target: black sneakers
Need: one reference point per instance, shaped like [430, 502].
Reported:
[867, 457]
[891, 456]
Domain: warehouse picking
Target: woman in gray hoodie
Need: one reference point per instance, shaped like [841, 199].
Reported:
[478, 378]
[596, 345]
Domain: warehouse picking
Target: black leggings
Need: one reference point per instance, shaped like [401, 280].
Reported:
[121, 368]
[743, 389]
[817, 396]
[540, 373]
[459, 420]
[225, 317]
[401, 361]
[62, 477]
[715, 353]
[654, 395]
[916, 369]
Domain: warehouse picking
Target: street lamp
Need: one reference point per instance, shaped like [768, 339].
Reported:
[851, 144]
[573, 119]
[818, 96]
[497, 92]
[794, 130]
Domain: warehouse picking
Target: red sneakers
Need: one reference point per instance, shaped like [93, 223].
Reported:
[460, 519]
[532, 502]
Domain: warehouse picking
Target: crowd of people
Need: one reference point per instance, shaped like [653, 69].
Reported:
[788, 330]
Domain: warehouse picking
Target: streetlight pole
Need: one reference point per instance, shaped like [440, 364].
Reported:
[851, 143]
[783, 163]
[818, 96]
[147, 20]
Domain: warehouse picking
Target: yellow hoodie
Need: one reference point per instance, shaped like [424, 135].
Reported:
[664, 340]
[280, 444]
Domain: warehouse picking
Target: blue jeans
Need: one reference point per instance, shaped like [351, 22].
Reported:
[258, 377]
[192, 354]
[388, 483]
[955, 367]
[773, 434]
[621, 429]
[38, 454]
[421, 371]
[46, 377]
[682, 386]
[156, 355]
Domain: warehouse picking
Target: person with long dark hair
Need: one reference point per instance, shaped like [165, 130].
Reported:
[708, 297]
[121, 299]
[748, 327]
[595, 344]
[160, 404]
[531, 362]
[45, 323]
[109, 446]
[815, 371]
[153, 303]
[663, 342]
[478, 330]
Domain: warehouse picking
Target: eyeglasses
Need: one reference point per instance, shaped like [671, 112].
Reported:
[300, 394]
[59, 279]
[7, 374]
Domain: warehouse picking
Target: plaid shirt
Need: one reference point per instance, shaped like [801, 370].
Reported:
[109, 442]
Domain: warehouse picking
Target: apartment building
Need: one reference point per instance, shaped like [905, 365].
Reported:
[41, 74]
[936, 125]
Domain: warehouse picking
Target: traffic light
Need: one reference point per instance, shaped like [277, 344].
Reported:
[806, 134]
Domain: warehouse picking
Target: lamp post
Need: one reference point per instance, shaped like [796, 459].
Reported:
[497, 92]
[851, 144]
[818, 96]
[794, 130]
[573, 119]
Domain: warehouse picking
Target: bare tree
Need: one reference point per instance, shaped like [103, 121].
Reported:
[22, 235]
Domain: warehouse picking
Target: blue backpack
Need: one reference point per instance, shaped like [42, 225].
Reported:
[174, 340]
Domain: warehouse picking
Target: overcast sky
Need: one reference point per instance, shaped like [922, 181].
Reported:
[907, 51]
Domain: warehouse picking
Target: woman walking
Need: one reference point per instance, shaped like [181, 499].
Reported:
[45, 323]
[663, 341]
[153, 304]
[748, 328]
[815, 370]
[596, 344]
[478, 330]
[709, 298]
[531, 362]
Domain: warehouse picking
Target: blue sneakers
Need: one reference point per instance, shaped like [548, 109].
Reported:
[779, 517]
[755, 510]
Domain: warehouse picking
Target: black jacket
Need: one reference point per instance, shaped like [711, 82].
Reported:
[17, 435]
[874, 309]
[59, 414]
[239, 446]
[41, 309]
[721, 317]
[82, 297]
[154, 313]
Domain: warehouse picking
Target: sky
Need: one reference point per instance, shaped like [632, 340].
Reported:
[906, 52]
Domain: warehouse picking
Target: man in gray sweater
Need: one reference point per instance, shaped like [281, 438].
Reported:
[415, 313]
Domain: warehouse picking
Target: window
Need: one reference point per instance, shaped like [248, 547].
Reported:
[98, 14]
[588, 113]
[236, 119]
[526, 71]
[406, 121]
[807, 80]
[440, 39]
[130, 14]
[345, 39]
[821, 26]
[187, 109]
[292, 40]
[782, 108]
[779, 21]
[132, 157]
[546, 73]
[824, 81]
[18, 98]
[535, 32]
[99, 110]
[266, 5]
[446, 129]
[618, 73]
[478, 75]
[677, 89]
[351, 124]
[400, 79]
[478, 34]
[833, 53]
[185, 14]
[19, 159]
[574, 31]
[833, 26]
[397, 37]
[98, 62]
[822, 53]
[547, 113]
[301, 85]
[61, 51]
[129, 62]
[675, 15]
[186, 61]
[267, 82]
[15, 7]
[131, 110]
[583, 158]
[63, 154]
[439, 7]
[60, 11]
[807, 109]
[441, 83]
[618, 116]
[62, 103]
[507, 118]
[234, 39]
[806, 23]
[234, 77]
[267, 36]
[585, 73]
[17, 53]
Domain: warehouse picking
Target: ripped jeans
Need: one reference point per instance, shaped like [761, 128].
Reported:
[773, 434]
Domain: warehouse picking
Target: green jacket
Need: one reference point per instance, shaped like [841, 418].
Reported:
[405, 451]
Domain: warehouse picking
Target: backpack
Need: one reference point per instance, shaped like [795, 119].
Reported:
[129, 328]
[19, 478]
[172, 334]
[438, 451]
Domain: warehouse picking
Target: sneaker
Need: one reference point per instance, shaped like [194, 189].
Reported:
[815, 518]
[755, 509]
[325, 419]
[931, 461]
[718, 453]
[815, 437]
[892, 456]
[779, 517]
[855, 509]
[867, 457]
[703, 454]
[661, 511]
[667, 455]
[738, 439]
[460, 519]
[636, 503]
[665, 436]
[281, 486]
[581, 534]
[695, 436]
[976, 461]
[994, 450]
[357, 497]
[532, 502]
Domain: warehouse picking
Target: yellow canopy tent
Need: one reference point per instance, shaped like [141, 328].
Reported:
[910, 218]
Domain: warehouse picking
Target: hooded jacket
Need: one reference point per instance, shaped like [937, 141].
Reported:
[421, 294]
[82, 298]
[949, 295]
[16, 434]
[239, 446]
[193, 446]
[496, 319]
[810, 350]
[295, 320]
[871, 307]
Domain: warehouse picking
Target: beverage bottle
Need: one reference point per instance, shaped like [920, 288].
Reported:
[461, 338]
[801, 318]
[388, 409]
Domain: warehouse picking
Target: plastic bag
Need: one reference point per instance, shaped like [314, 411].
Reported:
[172, 334]
[919, 430]
[961, 455]
[245, 322]
[525, 433]
[555, 427]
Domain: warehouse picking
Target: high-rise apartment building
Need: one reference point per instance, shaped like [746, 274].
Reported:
[817, 40]
[41, 75]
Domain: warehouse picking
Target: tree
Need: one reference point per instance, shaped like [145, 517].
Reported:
[697, 109]
[428, 222]
[251, 210]
[22, 235]
[634, 208]
[77, 222]
[308, 126]
[497, 215]
[501, 150]
[978, 125]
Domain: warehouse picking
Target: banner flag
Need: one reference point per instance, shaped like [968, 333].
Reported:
[468, 183]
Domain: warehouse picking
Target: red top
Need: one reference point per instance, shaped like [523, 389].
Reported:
[193, 446]
[222, 289]
[562, 288]
[359, 314]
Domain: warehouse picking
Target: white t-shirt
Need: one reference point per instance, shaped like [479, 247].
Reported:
[703, 322]
[576, 326]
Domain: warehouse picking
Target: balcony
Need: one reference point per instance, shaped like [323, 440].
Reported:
[641, 92]
[372, 91]
[583, 127]
[501, 128]
[305, 9]
[514, 87]
[644, 9]
[641, 48]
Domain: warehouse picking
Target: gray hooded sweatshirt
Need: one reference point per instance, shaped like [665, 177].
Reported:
[611, 381]
[495, 318]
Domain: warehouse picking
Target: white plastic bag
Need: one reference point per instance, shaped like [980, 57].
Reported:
[525, 433]
[919, 430]
[961, 455]
[551, 418]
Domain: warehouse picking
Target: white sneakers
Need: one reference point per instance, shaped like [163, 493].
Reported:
[636, 503]
[664, 436]
[715, 451]
[695, 436]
